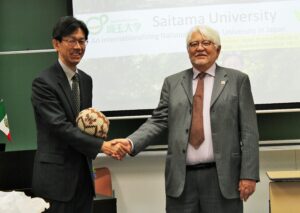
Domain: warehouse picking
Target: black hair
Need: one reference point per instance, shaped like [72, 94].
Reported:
[66, 26]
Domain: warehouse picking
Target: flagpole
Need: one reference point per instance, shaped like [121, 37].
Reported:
[2, 147]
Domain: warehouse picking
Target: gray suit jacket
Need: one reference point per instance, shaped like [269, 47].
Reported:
[63, 151]
[233, 125]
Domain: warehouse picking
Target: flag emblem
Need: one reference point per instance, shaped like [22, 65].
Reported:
[4, 127]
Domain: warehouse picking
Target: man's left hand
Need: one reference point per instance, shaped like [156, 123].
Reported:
[246, 188]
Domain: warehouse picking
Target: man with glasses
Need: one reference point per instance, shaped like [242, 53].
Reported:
[63, 173]
[207, 111]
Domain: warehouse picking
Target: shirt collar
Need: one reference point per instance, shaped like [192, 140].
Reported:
[211, 71]
[69, 72]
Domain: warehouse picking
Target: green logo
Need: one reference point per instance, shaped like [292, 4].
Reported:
[97, 23]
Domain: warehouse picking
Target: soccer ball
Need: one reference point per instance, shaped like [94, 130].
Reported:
[93, 122]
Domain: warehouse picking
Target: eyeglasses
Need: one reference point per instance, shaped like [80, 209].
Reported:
[73, 42]
[204, 43]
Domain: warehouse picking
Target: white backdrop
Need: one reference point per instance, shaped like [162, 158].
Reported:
[135, 44]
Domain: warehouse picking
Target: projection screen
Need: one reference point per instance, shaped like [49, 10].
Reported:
[134, 44]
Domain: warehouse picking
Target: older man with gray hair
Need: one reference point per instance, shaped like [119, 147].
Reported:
[208, 112]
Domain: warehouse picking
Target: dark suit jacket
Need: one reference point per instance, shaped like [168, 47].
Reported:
[63, 151]
[233, 125]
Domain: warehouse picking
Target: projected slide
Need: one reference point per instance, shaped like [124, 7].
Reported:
[134, 44]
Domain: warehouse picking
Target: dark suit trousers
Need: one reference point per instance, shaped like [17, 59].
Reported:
[83, 199]
[202, 195]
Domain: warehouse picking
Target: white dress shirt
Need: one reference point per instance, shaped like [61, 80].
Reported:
[68, 71]
[205, 152]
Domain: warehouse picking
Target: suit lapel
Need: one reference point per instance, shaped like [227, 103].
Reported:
[219, 84]
[65, 86]
[187, 84]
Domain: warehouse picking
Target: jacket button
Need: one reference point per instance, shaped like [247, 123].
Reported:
[187, 130]
[183, 151]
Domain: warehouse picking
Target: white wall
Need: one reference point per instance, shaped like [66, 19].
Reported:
[138, 181]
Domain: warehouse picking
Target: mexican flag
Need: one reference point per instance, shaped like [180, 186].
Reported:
[3, 121]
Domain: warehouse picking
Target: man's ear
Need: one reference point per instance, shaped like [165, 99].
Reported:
[219, 50]
[55, 44]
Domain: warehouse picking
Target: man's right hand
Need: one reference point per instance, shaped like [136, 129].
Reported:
[116, 148]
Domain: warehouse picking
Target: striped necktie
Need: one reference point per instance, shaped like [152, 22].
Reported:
[75, 92]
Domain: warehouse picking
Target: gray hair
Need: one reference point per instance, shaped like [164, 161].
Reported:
[205, 31]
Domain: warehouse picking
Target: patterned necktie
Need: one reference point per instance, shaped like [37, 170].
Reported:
[197, 131]
[75, 92]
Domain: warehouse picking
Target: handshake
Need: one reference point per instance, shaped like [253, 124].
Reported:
[117, 148]
[93, 122]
